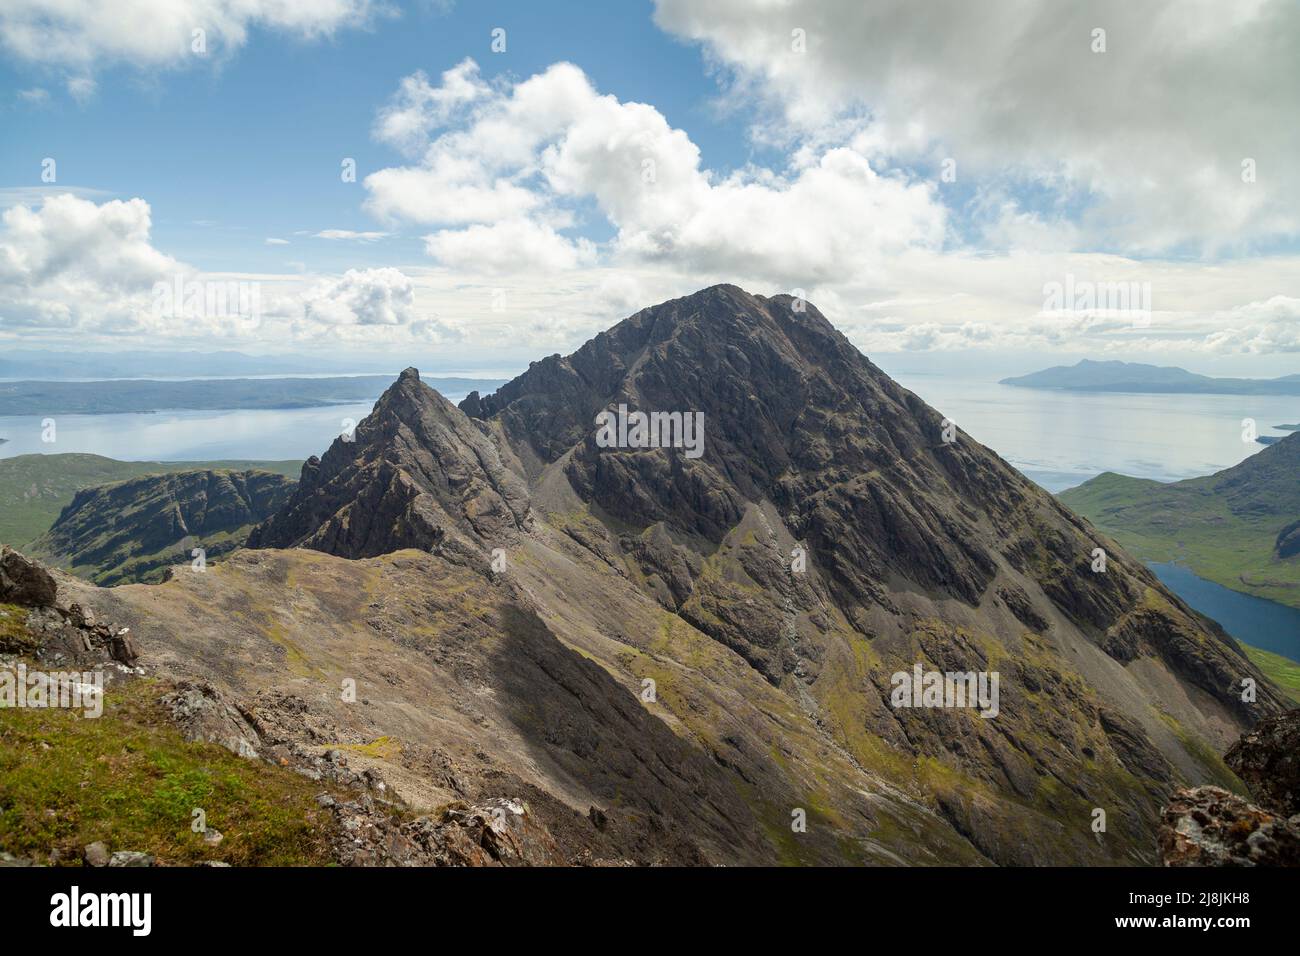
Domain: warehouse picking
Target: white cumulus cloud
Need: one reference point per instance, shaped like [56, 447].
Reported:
[1272, 325]
[512, 246]
[76, 268]
[1145, 139]
[82, 34]
[514, 165]
[362, 297]
[72, 262]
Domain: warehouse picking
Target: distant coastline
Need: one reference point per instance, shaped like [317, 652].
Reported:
[146, 396]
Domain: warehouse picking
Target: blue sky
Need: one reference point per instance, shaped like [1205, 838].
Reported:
[922, 173]
[252, 144]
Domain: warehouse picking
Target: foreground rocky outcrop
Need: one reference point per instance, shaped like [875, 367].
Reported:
[499, 832]
[374, 826]
[1267, 759]
[24, 582]
[54, 630]
[365, 824]
[136, 530]
[1207, 826]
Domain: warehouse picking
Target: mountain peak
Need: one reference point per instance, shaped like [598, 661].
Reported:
[701, 352]
[722, 292]
[415, 473]
[828, 532]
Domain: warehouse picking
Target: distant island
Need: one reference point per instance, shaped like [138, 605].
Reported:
[135, 395]
[1090, 376]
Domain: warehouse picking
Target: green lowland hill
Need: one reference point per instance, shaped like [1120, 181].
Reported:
[1239, 527]
[137, 530]
[34, 489]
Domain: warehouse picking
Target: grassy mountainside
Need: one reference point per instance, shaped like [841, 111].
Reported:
[1230, 527]
[132, 781]
[34, 489]
[1281, 671]
[1233, 527]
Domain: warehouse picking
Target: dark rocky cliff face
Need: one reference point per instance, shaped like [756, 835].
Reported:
[855, 466]
[133, 531]
[919, 547]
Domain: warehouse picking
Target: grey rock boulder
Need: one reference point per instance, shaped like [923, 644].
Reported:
[24, 581]
[130, 858]
[96, 854]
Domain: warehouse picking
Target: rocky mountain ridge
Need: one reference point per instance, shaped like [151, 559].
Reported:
[704, 649]
[416, 473]
[918, 549]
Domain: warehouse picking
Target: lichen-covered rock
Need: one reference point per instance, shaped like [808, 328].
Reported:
[504, 831]
[130, 858]
[96, 854]
[1267, 759]
[202, 712]
[1208, 826]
